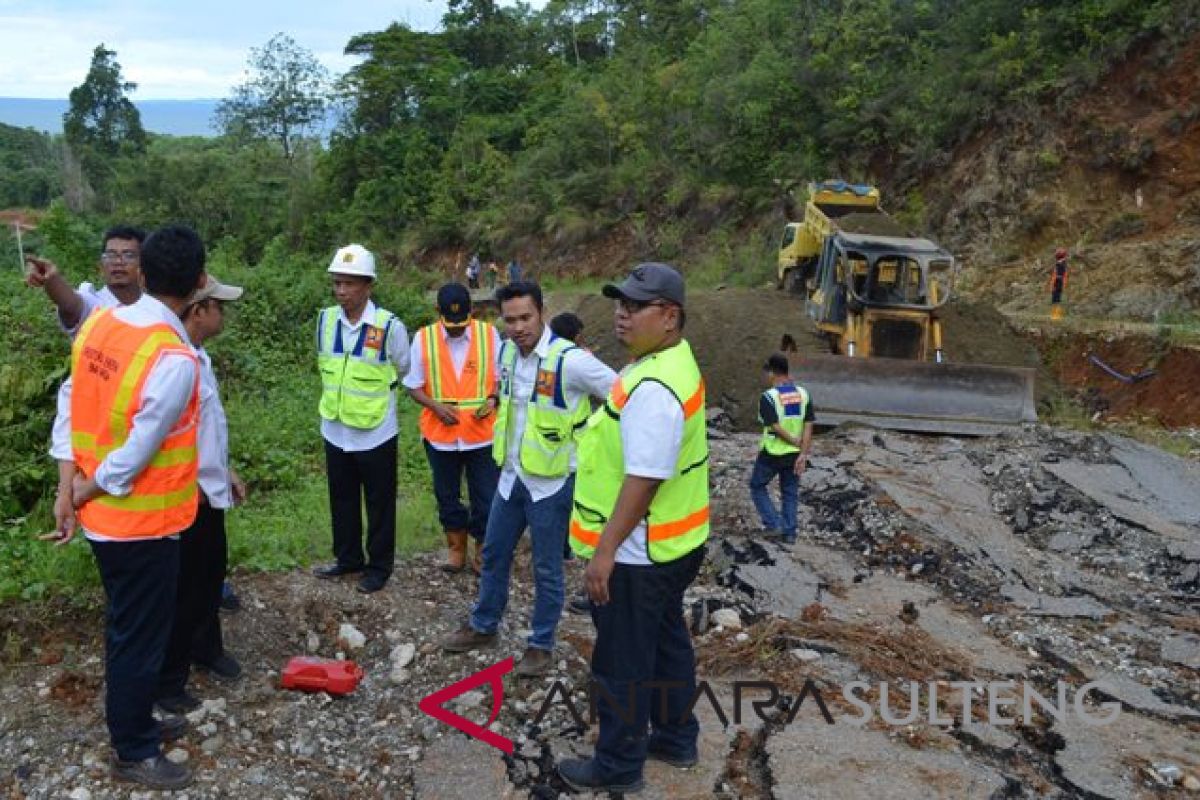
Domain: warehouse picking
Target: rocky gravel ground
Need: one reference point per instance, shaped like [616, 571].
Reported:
[1045, 558]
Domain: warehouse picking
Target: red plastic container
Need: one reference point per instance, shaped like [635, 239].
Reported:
[321, 675]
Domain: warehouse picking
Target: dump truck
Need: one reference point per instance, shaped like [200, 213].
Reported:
[873, 290]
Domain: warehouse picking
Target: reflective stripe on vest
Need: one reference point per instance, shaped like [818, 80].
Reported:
[550, 423]
[466, 390]
[110, 361]
[356, 381]
[791, 404]
[678, 518]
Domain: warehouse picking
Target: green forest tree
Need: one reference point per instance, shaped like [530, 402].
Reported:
[282, 100]
[102, 125]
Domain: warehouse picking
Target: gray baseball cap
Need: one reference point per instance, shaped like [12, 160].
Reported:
[647, 282]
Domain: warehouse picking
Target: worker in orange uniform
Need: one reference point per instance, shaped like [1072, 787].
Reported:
[453, 371]
[1058, 282]
[134, 415]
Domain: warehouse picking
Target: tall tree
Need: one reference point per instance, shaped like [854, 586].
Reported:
[102, 123]
[283, 98]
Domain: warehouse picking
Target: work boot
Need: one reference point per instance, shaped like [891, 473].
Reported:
[466, 639]
[535, 663]
[180, 703]
[156, 772]
[582, 776]
[223, 666]
[476, 556]
[456, 557]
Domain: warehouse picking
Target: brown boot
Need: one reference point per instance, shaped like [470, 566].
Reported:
[466, 639]
[456, 544]
[476, 556]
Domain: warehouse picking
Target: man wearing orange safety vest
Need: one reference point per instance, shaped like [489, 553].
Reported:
[134, 416]
[452, 375]
[641, 514]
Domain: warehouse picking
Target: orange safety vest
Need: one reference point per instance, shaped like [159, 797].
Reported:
[110, 361]
[467, 390]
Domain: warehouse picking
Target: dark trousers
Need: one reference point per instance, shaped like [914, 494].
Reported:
[1056, 291]
[196, 633]
[368, 475]
[448, 467]
[140, 581]
[642, 640]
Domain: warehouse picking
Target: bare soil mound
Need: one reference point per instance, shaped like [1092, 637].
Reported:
[1164, 394]
[733, 331]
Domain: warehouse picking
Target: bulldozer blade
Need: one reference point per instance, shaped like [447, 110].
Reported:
[960, 399]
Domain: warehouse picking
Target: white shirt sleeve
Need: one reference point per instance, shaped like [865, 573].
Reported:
[60, 434]
[651, 431]
[87, 296]
[398, 346]
[585, 374]
[165, 396]
[415, 378]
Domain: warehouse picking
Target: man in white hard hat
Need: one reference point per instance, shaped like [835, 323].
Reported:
[361, 352]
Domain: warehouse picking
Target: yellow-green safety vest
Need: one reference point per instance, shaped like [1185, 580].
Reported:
[678, 519]
[357, 378]
[791, 405]
[550, 423]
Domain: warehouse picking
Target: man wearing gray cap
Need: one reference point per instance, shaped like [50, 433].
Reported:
[641, 515]
[203, 557]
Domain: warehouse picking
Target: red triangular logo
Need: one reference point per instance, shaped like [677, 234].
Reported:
[434, 704]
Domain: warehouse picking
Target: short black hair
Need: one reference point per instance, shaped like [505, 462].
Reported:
[566, 325]
[777, 364]
[517, 289]
[172, 261]
[123, 232]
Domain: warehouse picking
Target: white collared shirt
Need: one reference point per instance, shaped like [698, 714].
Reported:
[212, 439]
[92, 299]
[459, 346]
[165, 396]
[584, 375]
[353, 440]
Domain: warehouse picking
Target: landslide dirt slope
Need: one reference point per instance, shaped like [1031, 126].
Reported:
[1109, 172]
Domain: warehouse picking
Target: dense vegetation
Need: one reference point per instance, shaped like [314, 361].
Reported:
[686, 122]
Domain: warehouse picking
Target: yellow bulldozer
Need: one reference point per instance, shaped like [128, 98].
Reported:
[873, 290]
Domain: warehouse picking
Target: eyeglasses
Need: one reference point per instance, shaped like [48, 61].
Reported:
[632, 307]
[122, 256]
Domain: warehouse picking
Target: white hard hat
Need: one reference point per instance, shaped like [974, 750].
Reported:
[353, 259]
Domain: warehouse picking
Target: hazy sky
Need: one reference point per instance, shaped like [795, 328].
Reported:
[179, 49]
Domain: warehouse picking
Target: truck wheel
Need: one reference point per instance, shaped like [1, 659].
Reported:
[793, 281]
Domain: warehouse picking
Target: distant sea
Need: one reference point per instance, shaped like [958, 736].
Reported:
[174, 117]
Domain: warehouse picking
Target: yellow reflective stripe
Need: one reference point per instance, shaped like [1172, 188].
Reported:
[147, 502]
[118, 418]
[171, 457]
[433, 367]
[483, 344]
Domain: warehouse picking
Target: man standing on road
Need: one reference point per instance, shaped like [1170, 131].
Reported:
[453, 377]
[786, 414]
[361, 352]
[196, 632]
[641, 514]
[545, 382]
[134, 410]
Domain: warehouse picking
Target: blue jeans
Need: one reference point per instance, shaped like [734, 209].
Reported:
[766, 467]
[643, 660]
[547, 520]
